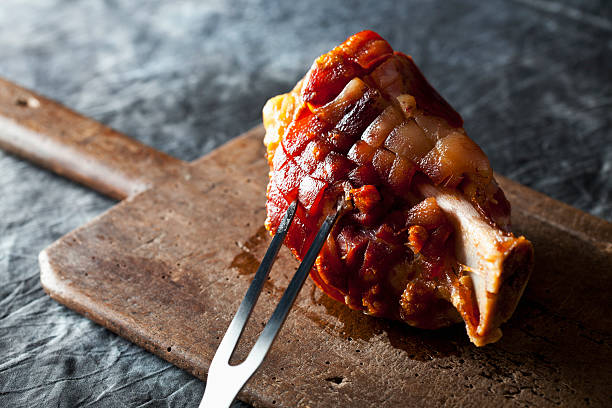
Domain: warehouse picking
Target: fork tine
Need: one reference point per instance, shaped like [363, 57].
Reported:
[267, 337]
[233, 333]
[224, 381]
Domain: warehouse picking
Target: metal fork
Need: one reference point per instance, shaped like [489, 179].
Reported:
[224, 380]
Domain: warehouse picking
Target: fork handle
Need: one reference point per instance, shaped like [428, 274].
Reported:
[59, 139]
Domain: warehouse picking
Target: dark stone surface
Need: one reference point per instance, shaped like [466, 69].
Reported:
[532, 79]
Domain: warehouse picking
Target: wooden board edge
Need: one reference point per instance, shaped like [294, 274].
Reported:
[566, 218]
[53, 284]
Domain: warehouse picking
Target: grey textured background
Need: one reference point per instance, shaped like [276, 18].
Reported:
[532, 80]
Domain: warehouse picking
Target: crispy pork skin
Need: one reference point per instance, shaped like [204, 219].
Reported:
[425, 236]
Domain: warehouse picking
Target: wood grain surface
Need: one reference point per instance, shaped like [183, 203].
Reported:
[168, 267]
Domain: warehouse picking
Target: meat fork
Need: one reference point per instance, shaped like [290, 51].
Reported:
[224, 380]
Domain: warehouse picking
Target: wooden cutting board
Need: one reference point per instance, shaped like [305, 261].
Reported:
[167, 267]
